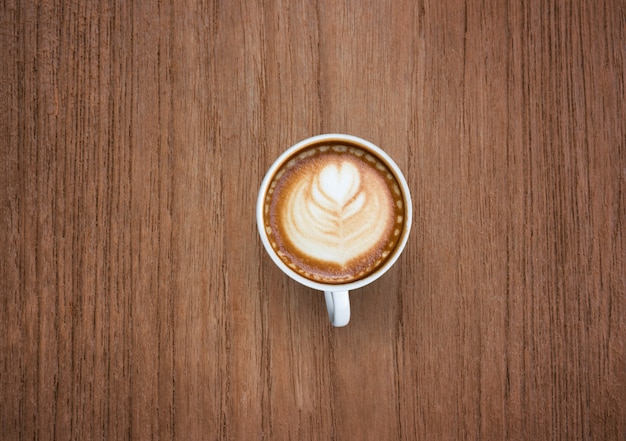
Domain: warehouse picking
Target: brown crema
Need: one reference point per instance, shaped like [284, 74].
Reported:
[334, 213]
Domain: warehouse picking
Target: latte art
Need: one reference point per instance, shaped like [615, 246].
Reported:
[333, 217]
[333, 213]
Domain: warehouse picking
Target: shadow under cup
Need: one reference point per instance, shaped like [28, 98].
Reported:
[334, 211]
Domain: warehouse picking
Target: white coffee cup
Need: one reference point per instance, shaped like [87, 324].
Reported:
[336, 295]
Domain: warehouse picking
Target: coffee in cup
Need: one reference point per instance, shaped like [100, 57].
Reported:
[334, 212]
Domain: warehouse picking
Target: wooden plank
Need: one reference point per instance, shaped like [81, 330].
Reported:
[136, 301]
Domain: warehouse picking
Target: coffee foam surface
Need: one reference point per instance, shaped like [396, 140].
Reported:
[334, 214]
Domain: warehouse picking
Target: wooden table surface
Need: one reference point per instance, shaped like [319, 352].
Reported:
[137, 302]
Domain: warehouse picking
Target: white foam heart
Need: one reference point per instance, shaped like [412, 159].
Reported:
[340, 182]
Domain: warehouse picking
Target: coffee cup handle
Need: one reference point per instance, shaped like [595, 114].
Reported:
[338, 305]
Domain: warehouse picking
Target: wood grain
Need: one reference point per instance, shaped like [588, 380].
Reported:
[136, 301]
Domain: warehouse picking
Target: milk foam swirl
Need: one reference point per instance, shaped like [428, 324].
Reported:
[337, 213]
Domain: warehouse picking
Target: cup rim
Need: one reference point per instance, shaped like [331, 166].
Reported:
[389, 162]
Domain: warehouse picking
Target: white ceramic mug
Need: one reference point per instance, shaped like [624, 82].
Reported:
[336, 295]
